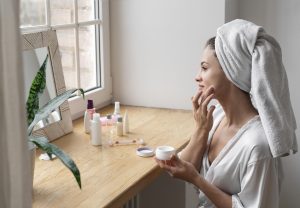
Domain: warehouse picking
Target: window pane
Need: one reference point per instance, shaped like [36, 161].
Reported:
[86, 10]
[62, 12]
[66, 41]
[87, 54]
[32, 12]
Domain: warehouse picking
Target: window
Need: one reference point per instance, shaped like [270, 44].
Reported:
[82, 33]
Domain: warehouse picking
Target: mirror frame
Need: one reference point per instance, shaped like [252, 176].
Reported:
[48, 39]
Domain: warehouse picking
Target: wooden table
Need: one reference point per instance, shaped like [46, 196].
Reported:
[110, 175]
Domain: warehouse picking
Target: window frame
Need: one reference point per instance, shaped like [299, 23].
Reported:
[102, 95]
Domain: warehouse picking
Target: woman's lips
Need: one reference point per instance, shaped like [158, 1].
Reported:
[200, 87]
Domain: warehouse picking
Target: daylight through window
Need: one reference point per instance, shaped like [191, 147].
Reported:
[77, 23]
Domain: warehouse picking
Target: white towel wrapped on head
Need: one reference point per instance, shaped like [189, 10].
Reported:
[251, 59]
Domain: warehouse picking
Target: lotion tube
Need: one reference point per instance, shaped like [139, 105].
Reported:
[96, 130]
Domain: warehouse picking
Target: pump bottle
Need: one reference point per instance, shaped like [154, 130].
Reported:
[88, 116]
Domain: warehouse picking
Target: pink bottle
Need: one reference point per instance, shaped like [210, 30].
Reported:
[88, 116]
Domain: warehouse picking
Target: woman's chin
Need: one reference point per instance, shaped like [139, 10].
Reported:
[201, 89]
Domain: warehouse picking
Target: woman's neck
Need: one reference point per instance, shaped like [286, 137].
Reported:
[238, 108]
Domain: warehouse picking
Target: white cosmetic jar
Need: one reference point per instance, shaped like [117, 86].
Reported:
[164, 152]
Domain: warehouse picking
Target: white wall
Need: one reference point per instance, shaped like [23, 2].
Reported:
[231, 10]
[156, 47]
[281, 19]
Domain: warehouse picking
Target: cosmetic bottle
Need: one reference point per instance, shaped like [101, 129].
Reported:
[119, 126]
[110, 127]
[125, 123]
[105, 120]
[96, 130]
[109, 121]
[88, 116]
[117, 109]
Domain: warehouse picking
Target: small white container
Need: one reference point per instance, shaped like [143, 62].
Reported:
[164, 152]
[96, 130]
[145, 152]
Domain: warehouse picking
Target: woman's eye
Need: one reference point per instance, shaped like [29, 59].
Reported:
[204, 68]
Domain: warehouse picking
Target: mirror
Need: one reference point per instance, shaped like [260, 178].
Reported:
[32, 60]
[35, 48]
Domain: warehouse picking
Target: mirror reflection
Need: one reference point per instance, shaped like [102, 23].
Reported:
[32, 60]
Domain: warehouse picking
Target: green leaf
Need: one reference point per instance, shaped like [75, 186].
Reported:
[82, 92]
[37, 87]
[49, 148]
[51, 106]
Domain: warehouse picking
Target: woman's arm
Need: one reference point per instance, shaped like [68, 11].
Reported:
[196, 147]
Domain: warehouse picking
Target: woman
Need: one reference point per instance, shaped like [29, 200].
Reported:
[238, 143]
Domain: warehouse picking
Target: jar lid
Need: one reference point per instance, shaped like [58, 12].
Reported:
[145, 152]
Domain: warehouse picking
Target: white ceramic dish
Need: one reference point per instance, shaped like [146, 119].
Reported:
[164, 152]
[145, 152]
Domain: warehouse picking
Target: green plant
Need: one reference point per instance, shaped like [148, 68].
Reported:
[37, 87]
[36, 114]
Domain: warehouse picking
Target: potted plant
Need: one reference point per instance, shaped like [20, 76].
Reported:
[36, 114]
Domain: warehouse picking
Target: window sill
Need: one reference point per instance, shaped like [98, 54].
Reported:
[101, 97]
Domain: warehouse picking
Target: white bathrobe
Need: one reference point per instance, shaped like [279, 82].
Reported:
[244, 168]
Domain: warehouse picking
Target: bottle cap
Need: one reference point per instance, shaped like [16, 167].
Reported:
[120, 119]
[96, 117]
[108, 116]
[90, 104]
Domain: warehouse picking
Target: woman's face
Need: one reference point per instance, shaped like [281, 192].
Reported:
[211, 74]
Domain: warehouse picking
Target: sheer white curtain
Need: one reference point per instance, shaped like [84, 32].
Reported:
[15, 178]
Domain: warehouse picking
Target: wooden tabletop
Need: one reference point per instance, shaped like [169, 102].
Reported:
[110, 175]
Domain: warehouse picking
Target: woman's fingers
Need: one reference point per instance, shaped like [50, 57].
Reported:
[210, 111]
[195, 99]
[204, 99]
[175, 160]
[178, 168]
[205, 94]
[165, 165]
[205, 103]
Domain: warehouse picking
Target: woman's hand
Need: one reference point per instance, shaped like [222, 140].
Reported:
[186, 171]
[179, 168]
[202, 115]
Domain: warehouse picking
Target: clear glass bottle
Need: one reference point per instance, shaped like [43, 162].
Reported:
[119, 126]
[125, 123]
[110, 128]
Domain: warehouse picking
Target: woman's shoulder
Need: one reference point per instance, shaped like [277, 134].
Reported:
[256, 142]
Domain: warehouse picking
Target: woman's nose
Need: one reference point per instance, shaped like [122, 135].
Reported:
[198, 77]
